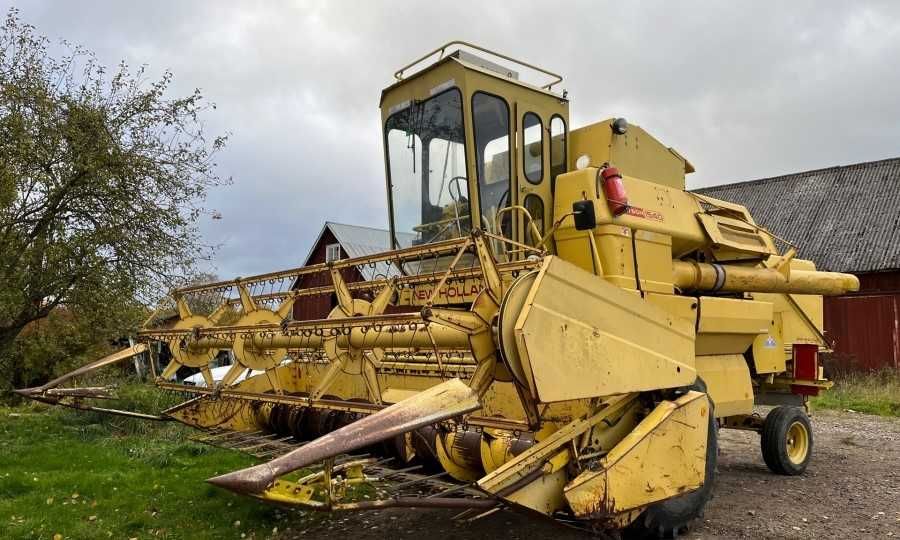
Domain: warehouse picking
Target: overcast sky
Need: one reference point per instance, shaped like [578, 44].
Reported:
[743, 90]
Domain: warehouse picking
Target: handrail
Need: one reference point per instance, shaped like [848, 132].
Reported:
[556, 77]
[534, 230]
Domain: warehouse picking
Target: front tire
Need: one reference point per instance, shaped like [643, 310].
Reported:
[787, 441]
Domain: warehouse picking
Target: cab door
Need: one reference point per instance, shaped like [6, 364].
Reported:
[532, 185]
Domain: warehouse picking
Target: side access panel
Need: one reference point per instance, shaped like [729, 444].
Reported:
[729, 325]
[727, 379]
[577, 336]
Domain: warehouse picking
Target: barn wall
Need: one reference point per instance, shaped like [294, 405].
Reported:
[879, 282]
[865, 326]
[318, 306]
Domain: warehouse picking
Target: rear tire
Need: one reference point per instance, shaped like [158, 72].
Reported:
[669, 518]
[787, 441]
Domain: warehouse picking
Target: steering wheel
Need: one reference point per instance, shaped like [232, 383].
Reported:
[455, 182]
[501, 203]
[503, 198]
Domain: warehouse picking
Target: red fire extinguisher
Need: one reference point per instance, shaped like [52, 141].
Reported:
[614, 189]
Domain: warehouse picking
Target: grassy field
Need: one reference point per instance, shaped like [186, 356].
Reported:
[872, 393]
[69, 475]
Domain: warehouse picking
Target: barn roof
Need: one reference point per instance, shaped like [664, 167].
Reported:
[846, 219]
[359, 241]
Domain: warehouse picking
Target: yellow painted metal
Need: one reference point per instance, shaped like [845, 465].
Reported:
[666, 451]
[801, 315]
[768, 349]
[318, 490]
[730, 238]
[729, 325]
[495, 449]
[548, 456]
[733, 233]
[456, 72]
[727, 379]
[183, 354]
[459, 457]
[578, 336]
[680, 306]
[653, 207]
[797, 442]
[543, 494]
[736, 278]
[636, 152]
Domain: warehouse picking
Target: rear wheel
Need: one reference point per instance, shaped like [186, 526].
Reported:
[787, 441]
[669, 518]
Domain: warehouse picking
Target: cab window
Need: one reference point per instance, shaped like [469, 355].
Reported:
[492, 158]
[557, 148]
[429, 196]
[532, 148]
[535, 207]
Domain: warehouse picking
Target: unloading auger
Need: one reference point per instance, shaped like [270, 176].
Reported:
[560, 327]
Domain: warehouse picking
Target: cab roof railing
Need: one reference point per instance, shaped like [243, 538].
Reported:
[443, 49]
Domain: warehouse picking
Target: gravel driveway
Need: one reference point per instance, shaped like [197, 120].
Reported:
[851, 490]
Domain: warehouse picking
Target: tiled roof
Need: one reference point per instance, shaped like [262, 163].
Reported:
[846, 219]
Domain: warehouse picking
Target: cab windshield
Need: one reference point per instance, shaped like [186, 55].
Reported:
[427, 167]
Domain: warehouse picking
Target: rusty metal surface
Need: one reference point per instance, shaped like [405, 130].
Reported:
[110, 359]
[441, 402]
[362, 407]
[397, 481]
[77, 403]
[74, 397]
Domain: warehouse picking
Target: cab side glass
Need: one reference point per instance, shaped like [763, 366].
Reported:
[492, 158]
[558, 142]
[532, 148]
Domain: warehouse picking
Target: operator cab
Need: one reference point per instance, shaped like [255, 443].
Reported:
[469, 145]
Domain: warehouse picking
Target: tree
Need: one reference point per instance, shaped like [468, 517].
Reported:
[102, 181]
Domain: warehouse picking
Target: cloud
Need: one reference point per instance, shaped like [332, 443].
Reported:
[743, 90]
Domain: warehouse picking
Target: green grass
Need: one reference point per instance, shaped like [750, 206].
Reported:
[89, 476]
[871, 393]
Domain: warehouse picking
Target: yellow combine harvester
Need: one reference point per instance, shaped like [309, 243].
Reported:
[561, 327]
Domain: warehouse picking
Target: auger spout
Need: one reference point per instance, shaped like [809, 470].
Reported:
[441, 402]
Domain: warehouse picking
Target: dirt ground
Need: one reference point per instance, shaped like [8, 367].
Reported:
[851, 490]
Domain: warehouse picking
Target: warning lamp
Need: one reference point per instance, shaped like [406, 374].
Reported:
[806, 368]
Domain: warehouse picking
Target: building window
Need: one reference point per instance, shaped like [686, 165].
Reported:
[332, 253]
[532, 148]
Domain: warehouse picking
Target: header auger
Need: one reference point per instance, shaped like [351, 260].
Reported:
[560, 326]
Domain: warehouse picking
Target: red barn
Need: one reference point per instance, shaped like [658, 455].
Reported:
[846, 219]
[335, 242]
